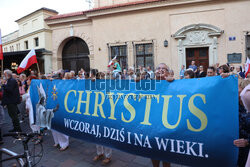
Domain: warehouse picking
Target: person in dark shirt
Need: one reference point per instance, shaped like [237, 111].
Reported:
[201, 72]
[11, 97]
[1, 139]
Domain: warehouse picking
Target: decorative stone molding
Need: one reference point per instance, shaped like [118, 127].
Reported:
[197, 35]
[63, 38]
[213, 30]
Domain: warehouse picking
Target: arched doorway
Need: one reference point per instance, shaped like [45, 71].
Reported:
[198, 42]
[75, 55]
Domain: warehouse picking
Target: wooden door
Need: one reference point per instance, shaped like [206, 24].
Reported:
[199, 55]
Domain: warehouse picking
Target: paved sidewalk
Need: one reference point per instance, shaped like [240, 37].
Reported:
[79, 153]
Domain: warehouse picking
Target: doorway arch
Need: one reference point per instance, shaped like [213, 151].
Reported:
[75, 55]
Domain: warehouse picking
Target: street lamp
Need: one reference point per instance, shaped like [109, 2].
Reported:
[166, 43]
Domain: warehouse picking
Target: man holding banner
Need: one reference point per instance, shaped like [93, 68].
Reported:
[162, 73]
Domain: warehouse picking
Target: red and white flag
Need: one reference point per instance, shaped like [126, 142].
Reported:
[1, 47]
[112, 62]
[27, 61]
[247, 67]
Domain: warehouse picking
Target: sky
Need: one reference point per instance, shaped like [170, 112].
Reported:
[11, 10]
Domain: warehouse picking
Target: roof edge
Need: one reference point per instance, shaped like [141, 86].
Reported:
[43, 8]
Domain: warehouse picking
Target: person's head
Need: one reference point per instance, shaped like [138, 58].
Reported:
[231, 68]
[171, 73]
[189, 74]
[217, 65]
[131, 71]
[149, 68]
[14, 75]
[162, 71]
[19, 82]
[143, 75]
[22, 77]
[86, 75]
[210, 71]
[124, 71]
[183, 67]
[30, 79]
[201, 68]
[223, 69]
[93, 73]
[80, 74]
[238, 68]
[101, 75]
[7, 74]
[43, 77]
[193, 62]
[72, 73]
[242, 83]
[68, 75]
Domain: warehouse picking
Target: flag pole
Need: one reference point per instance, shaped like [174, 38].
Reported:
[1, 54]
[2, 68]
[38, 69]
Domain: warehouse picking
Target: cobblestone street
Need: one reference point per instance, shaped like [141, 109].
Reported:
[79, 153]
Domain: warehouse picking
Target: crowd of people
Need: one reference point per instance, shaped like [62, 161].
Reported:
[194, 71]
[15, 98]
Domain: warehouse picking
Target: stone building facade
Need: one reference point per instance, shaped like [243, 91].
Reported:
[140, 33]
[152, 31]
[34, 33]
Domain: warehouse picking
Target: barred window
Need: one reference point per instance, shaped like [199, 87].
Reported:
[121, 53]
[144, 55]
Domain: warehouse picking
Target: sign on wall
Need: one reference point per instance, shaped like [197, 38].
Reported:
[234, 58]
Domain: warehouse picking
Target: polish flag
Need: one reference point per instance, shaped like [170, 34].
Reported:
[1, 47]
[27, 61]
[247, 67]
[111, 62]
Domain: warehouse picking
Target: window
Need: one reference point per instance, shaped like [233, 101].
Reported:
[17, 47]
[36, 41]
[144, 55]
[26, 44]
[248, 46]
[121, 53]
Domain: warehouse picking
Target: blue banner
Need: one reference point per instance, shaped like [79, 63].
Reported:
[191, 122]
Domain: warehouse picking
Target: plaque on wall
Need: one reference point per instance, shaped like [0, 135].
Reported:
[234, 58]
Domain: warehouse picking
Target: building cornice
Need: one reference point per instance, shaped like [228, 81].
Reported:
[140, 6]
[37, 11]
[27, 35]
[66, 20]
[107, 10]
